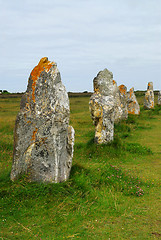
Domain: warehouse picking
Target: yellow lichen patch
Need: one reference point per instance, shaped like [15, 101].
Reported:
[152, 104]
[27, 154]
[27, 106]
[132, 111]
[98, 111]
[99, 127]
[43, 65]
[34, 135]
[122, 89]
[96, 89]
[98, 132]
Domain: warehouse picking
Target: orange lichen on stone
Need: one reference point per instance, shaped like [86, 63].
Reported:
[96, 90]
[114, 82]
[131, 111]
[43, 65]
[131, 92]
[122, 89]
[34, 135]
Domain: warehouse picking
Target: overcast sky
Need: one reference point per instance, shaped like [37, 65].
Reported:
[82, 37]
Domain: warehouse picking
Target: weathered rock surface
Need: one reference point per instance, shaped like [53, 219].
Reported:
[123, 97]
[149, 97]
[159, 98]
[117, 100]
[132, 103]
[101, 106]
[43, 139]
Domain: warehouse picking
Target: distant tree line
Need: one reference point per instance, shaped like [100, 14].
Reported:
[142, 93]
[4, 92]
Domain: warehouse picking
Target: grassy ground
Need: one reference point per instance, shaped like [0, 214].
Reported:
[113, 191]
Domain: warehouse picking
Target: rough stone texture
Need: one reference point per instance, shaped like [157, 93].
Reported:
[149, 97]
[123, 97]
[117, 101]
[132, 103]
[101, 106]
[159, 98]
[43, 139]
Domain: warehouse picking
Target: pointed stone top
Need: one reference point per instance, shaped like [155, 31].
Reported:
[103, 82]
[131, 92]
[150, 86]
[132, 89]
[43, 65]
[114, 82]
[123, 89]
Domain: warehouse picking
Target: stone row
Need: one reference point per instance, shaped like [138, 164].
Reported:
[110, 104]
[43, 138]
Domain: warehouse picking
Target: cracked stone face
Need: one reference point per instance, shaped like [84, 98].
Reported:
[43, 139]
[123, 97]
[117, 101]
[101, 106]
[149, 97]
[132, 103]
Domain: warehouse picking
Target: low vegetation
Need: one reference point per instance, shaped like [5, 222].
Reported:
[113, 191]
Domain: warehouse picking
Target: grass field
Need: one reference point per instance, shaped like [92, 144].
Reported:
[113, 191]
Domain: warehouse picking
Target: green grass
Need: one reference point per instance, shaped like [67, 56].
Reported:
[113, 191]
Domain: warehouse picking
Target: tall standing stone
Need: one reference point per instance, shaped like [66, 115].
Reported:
[149, 97]
[123, 97]
[132, 103]
[43, 139]
[101, 106]
[159, 98]
[117, 101]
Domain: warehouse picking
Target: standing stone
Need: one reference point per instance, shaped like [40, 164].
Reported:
[101, 106]
[117, 101]
[132, 103]
[123, 97]
[149, 97]
[159, 98]
[43, 139]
